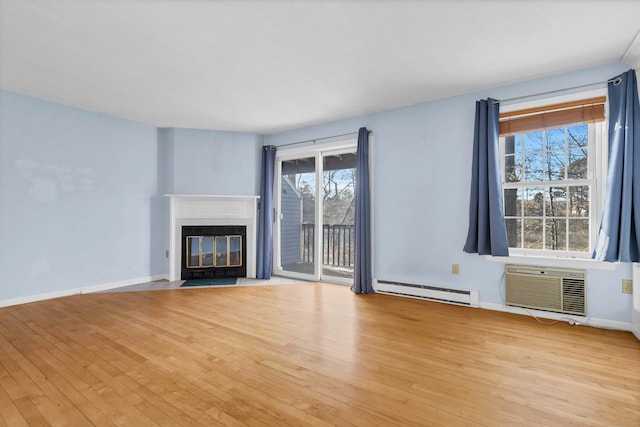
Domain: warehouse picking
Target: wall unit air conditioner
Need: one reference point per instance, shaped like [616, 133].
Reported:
[550, 289]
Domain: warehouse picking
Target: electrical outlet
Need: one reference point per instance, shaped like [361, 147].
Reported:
[455, 268]
[627, 286]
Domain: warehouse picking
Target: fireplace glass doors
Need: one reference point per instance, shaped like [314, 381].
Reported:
[201, 250]
[213, 251]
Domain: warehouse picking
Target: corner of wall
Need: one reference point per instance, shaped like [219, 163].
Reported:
[632, 54]
[165, 160]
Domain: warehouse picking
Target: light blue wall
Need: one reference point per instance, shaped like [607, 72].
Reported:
[421, 175]
[213, 162]
[75, 198]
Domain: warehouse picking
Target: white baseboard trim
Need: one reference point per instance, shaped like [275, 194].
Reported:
[82, 290]
[578, 320]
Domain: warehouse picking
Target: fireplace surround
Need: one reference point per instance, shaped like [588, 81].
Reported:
[213, 251]
[187, 210]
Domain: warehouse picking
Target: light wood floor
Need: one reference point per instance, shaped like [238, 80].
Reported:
[304, 355]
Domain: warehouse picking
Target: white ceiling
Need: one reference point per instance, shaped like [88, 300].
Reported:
[268, 66]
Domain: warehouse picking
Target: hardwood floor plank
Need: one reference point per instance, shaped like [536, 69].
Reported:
[9, 415]
[309, 354]
[52, 402]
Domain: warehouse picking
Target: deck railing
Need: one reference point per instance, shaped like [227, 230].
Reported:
[338, 247]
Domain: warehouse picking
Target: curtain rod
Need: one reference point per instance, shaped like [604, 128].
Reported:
[314, 140]
[615, 81]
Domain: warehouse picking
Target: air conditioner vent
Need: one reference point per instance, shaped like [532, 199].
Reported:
[573, 298]
[550, 289]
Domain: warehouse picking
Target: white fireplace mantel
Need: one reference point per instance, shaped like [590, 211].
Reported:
[211, 210]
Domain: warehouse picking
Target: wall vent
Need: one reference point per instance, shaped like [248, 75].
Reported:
[427, 292]
[549, 289]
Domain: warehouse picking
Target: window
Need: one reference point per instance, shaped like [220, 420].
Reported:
[553, 159]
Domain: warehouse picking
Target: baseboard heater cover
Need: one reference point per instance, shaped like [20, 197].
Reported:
[468, 298]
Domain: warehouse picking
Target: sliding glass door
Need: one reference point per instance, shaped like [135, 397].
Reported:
[314, 232]
[297, 190]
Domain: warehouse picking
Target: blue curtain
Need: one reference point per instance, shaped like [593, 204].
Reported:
[487, 233]
[265, 215]
[618, 238]
[362, 283]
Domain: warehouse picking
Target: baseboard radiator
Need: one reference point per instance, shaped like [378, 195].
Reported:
[548, 289]
[427, 292]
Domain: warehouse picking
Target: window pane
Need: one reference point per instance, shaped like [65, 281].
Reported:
[518, 145]
[533, 202]
[533, 142]
[338, 215]
[513, 232]
[513, 168]
[578, 167]
[235, 250]
[579, 201]
[207, 251]
[556, 203]
[578, 234]
[555, 139]
[509, 144]
[193, 251]
[578, 135]
[511, 202]
[532, 233]
[534, 167]
[221, 251]
[297, 213]
[554, 166]
[556, 237]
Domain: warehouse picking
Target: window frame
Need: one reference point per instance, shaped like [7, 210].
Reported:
[597, 172]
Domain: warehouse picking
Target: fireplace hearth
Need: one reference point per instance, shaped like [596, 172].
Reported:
[213, 251]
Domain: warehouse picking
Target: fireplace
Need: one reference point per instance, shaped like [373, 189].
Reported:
[194, 210]
[213, 251]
